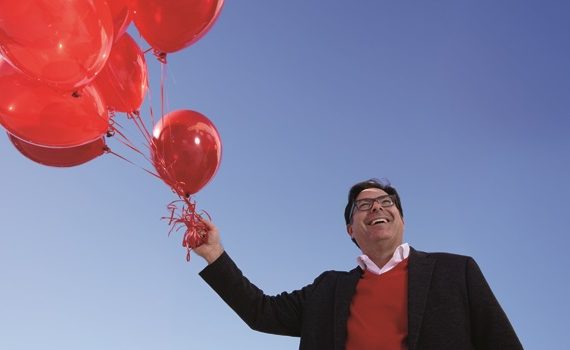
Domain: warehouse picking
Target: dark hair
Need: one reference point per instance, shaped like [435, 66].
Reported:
[371, 183]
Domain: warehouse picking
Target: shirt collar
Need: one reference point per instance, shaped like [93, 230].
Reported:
[401, 253]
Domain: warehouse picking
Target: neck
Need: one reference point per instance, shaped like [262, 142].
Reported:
[382, 254]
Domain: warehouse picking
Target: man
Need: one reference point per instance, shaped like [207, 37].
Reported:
[397, 298]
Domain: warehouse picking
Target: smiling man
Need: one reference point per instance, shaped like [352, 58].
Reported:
[397, 297]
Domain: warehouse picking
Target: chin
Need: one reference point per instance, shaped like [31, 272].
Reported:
[382, 236]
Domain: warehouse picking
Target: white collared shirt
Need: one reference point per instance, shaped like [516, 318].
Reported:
[401, 253]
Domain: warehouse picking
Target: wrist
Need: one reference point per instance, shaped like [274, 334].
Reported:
[213, 254]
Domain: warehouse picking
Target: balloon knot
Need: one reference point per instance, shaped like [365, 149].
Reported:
[134, 114]
[161, 56]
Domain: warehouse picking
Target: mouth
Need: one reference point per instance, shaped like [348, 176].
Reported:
[378, 221]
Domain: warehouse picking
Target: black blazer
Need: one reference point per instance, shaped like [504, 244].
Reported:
[450, 305]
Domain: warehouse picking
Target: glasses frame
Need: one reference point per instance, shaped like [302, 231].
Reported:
[373, 200]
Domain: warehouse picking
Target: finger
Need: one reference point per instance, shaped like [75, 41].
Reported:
[209, 225]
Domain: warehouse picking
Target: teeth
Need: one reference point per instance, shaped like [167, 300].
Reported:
[379, 221]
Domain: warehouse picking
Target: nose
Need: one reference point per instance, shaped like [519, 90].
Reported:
[376, 206]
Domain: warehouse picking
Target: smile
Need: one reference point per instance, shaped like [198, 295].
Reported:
[378, 221]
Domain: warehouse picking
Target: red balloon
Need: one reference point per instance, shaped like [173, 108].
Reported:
[123, 80]
[60, 157]
[41, 115]
[122, 17]
[60, 42]
[171, 25]
[186, 151]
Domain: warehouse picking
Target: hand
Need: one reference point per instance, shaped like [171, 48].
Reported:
[212, 248]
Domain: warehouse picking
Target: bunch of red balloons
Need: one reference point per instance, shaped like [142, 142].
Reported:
[64, 65]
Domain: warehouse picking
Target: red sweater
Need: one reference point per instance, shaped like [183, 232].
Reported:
[379, 311]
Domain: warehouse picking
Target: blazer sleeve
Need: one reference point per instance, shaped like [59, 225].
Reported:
[490, 327]
[280, 314]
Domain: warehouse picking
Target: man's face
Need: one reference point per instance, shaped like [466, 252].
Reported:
[379, 226]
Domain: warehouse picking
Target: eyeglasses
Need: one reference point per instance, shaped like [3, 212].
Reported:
[366, 204]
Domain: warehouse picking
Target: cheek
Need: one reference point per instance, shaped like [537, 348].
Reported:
[356, 228]
[361, 226]
[401, 225]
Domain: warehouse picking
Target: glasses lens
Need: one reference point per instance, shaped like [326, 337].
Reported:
[364, 204]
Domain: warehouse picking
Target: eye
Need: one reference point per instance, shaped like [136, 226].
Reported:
[387, 202]
[364, 205]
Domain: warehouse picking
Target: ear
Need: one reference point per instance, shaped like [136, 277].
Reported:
[349, 230]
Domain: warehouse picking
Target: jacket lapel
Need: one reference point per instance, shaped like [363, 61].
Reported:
[420, 268]
[345, 288]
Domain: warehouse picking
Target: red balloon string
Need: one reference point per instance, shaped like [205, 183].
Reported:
[139, 122]
[123, 138]
[115, 130]
[196, 232]
[183, 210]
[162, 79]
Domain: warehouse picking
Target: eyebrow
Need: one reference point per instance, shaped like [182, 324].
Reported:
[372, 198]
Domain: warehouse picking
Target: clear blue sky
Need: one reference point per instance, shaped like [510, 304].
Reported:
[462, 105]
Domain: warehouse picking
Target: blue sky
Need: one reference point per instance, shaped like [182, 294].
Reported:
[462, 105]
